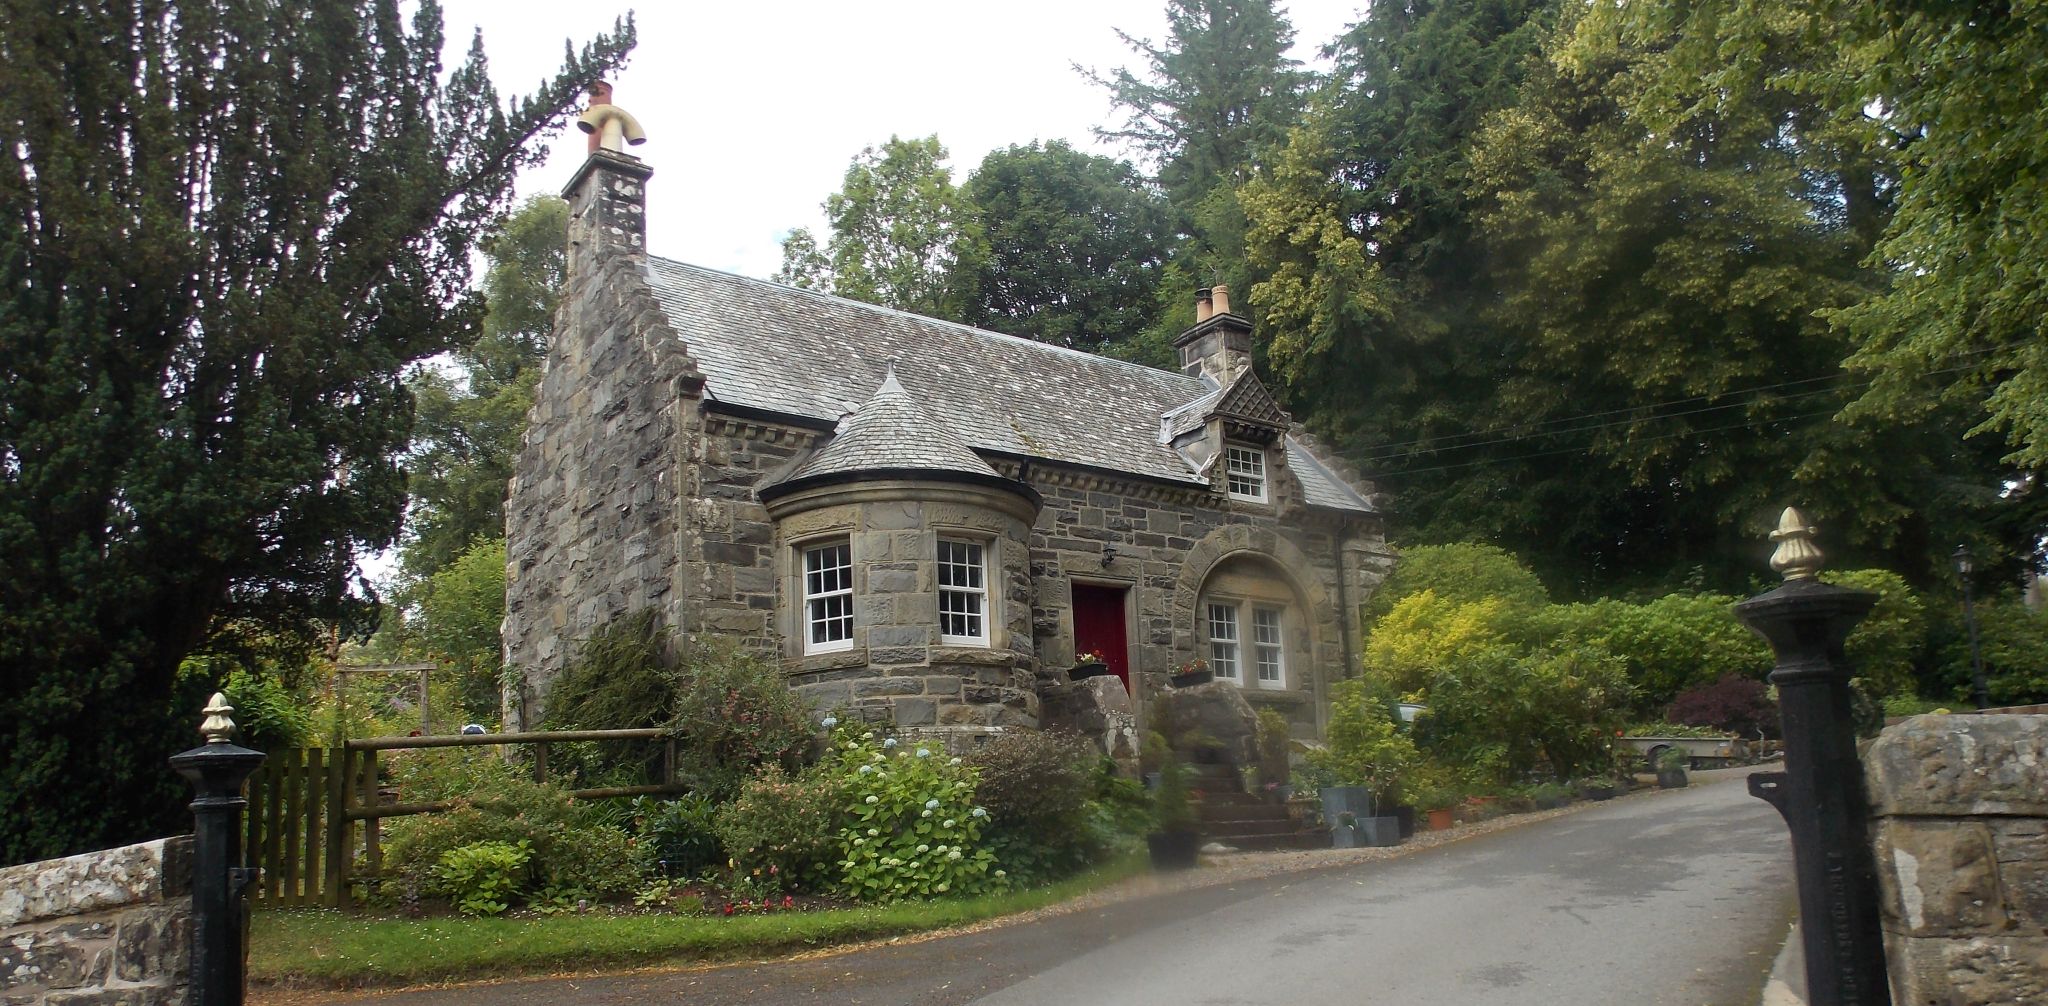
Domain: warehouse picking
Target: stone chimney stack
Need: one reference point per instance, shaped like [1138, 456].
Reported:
[1220, 343]
[608, 195]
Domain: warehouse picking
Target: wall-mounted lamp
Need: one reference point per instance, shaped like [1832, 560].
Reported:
[1108, 555]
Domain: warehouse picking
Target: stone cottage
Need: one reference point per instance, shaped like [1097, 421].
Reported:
[924, 523]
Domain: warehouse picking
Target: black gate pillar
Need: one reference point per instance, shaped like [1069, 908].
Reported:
[1820, 793]
[217, 770]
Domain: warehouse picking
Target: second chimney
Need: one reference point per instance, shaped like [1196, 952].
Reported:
[1219, 345]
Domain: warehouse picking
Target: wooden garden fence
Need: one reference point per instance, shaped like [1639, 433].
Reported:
[314, 813]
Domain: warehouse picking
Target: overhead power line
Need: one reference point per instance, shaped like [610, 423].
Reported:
[1397, 473]
[1637, 413]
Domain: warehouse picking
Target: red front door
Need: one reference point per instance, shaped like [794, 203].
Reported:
[1099, 627]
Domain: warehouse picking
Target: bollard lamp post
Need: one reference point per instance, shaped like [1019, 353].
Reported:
[1820, 793]
[216, 770]
[1979, 689]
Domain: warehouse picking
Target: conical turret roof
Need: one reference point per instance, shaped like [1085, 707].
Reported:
[892, 435]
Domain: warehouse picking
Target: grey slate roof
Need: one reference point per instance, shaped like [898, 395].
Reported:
[893, 431]
[810, 355]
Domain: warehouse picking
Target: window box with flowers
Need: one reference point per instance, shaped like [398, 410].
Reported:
[1192, 673]
[1088, 665]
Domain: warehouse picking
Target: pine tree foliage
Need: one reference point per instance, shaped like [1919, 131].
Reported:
[228, 229]
[1219, 88]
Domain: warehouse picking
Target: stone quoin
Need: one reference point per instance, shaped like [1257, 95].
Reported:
[925, 524]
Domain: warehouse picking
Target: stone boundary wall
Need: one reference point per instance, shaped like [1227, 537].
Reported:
[108, 928]
[1960, 813]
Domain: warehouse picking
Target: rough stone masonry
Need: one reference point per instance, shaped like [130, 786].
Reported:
[1960, 807]
[108, 928]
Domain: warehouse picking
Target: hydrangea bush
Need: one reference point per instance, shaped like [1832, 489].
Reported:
[914, 830]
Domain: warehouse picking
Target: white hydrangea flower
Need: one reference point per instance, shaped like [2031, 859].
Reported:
[865, 769]
[830, 722]
[922, 849]
[953, 761]
[874, 800]
[889, 742]
[874, 832]
[859, 841]
[924, 752]
[949, 822]
[1002, 873]
[922, 813]
[932, 804]
[980, 812]
[953, 857]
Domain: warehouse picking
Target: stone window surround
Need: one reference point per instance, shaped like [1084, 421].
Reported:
[804, 620]
[1244, 608]
[991, 598]
[1248, 582]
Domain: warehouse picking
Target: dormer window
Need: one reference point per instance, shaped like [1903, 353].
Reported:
[1244, 469]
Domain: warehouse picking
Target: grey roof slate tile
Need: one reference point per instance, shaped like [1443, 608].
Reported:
[892, 431]
[811, 355]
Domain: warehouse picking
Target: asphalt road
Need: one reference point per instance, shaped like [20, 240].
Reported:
[1675, 898]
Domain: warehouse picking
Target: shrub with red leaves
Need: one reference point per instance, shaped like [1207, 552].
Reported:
[1739, 705]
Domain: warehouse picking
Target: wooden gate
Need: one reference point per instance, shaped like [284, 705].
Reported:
[313, 817]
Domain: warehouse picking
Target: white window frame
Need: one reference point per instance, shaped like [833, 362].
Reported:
[1224, 642]
[1245, 466]
[819, 605]
[1269, 646]
[976, 595]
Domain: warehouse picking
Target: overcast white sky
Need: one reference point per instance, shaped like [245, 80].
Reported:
[752, 110]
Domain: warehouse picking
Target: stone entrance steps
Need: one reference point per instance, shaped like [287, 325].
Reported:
[1243, 821]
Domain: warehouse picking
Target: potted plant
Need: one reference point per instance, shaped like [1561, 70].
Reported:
[1192, 673]
[1174, 840]
[1089, 664]
[1344, 833]
[1598, 788]
[1368, 759]
[1436, 799]
[1671, 765]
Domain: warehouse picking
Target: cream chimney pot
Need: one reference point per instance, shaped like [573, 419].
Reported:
[1203, 308]
[1219, 296]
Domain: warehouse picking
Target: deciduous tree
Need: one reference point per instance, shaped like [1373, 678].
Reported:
[902, 233]
[1074, 246]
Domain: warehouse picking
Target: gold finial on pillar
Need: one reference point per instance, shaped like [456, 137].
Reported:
[218, 728]
[1796, 558]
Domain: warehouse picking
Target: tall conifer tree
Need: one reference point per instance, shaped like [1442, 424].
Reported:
[227, 230]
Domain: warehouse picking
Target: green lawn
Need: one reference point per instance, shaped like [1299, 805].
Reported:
[329, 948]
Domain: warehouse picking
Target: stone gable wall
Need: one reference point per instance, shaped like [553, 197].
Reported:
[108, 928]
[591, 521]
[1961, 833]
